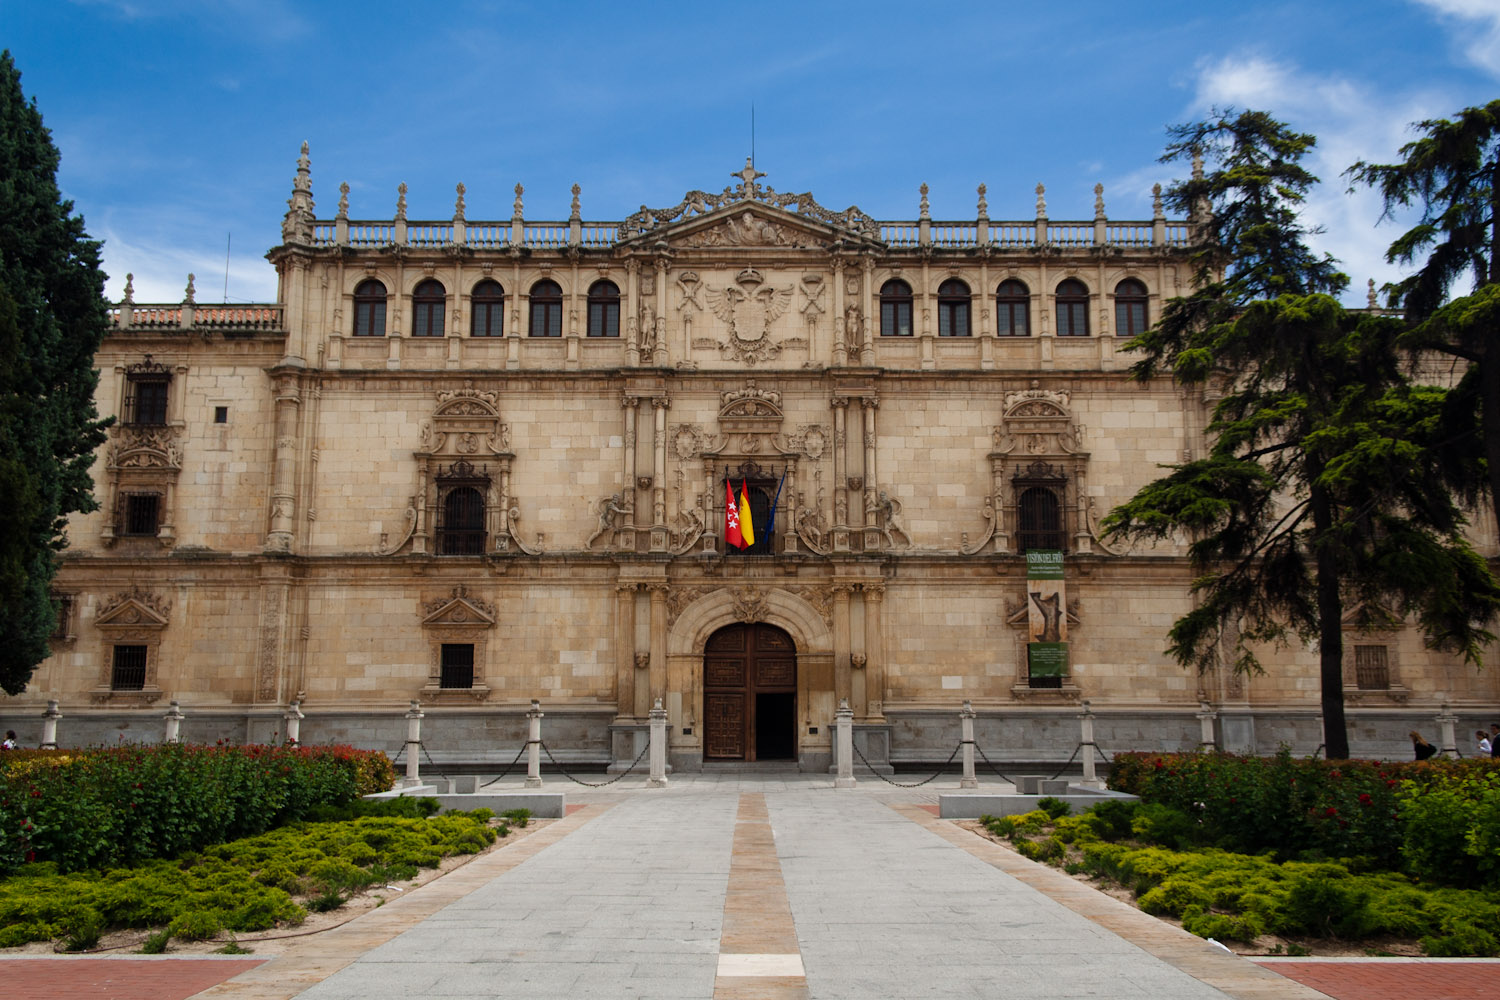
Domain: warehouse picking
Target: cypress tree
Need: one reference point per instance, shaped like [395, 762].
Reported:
[52, 319]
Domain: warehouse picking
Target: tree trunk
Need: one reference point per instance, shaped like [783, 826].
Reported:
[1330, 628]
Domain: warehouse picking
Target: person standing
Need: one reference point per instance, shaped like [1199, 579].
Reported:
[1420, 747]
[1484, 742]
[9, 743]
[1495, 739]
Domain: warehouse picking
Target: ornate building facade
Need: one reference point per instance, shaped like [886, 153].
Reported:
[480, 463]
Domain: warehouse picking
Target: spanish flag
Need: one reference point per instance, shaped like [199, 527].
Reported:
[731, 518]
[747, 527]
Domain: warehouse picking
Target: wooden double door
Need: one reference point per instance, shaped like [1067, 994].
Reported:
[750, 694]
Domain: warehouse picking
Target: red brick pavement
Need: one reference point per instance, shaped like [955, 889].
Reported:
[76, 978]
[1395, 979]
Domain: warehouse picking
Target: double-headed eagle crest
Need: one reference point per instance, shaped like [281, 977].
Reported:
[749, 307]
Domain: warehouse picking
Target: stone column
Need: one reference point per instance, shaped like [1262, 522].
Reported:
[840, 474]
[874, 594]
[658, 777]
[658, 641]
[843, 723]
[840, 317]
[1087, 748]
[49, 725]
[1206, 716]
[293, 718]
[632, 305]
[631, 405]
[413, 744]
[871, 324]
[872, 526]
[659, 534]
[966, 728]
[1448, 745]
[659, 335]
[284, 475]
[533, 745]
[625, 652]
[172, 731]
[841, 666]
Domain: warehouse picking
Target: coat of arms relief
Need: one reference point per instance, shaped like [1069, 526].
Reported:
[748, 308]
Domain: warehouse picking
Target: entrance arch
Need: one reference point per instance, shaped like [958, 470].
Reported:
[750, 694]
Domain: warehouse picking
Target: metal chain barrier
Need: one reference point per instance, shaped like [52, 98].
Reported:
[1103, 756]
[508, 767]
[594, 784]
[988, 763]
[902, 784]
[433, 763]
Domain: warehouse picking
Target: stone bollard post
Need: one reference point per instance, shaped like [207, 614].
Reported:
[843, 721]
[658, 777]
[966, 724]
[293, 719]
[1448, 744]
[534, 745]
[1206, 717]
[49, 725]
[414, 718]
[173, 720]
[1086, 745]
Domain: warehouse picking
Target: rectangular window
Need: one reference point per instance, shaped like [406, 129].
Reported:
[129, 668]
[148, 402]
[895, 319]
[221, 414]
[141, 514]
[457, 665]
[1372, 669]
[64, 616]
[1013, 321]
[369, 319]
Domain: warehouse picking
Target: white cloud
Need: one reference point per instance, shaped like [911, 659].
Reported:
[1352, 121]
[1476, 27]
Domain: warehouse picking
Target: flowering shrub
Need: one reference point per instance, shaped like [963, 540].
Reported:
[108, 806]
[1300, 808]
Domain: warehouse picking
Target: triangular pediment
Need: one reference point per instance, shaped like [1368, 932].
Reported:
[749, 225]
[460, 609]
[132, 611]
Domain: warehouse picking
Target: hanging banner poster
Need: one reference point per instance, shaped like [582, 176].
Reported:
[1047, 614]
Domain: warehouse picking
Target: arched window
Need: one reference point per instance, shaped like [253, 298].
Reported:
[369, 309]
[429, 301]
[1130, 308]
[487, 310]
[1013, 309]
[953, 309]
[895, 309]
[604, 309]
[546, 309]
[1039, 517]
[1072, 309]
[461, 530]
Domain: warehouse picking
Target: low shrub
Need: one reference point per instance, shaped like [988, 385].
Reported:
[1053, 807]
[120, 805]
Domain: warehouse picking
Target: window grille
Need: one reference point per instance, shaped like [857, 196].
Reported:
[1372, 669]
[457, 665]
[141, 514]
[128, 672]
[1039, 520]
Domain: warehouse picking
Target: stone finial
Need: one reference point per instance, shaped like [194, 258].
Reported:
[1197, 163]
[344, 200]
[401, 201]
[747, 176]
[1370, 298]
[574, 212]
[129, 288]
[190, 292]
[1041, 201]
[984, 205]
[458, 203]
[1098, 201]
[1156, 210]
[297, 224]
[924, 213]
[516, 208]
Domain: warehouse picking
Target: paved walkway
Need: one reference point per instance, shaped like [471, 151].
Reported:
[769, 886]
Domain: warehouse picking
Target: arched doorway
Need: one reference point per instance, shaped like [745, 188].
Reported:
[750, 694]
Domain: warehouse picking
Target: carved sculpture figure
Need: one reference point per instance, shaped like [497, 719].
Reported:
[889, 509]
[609, 508]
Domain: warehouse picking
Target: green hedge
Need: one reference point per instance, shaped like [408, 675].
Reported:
[1436, 819]
[117, 805]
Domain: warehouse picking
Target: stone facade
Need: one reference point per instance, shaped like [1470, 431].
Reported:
[350, 499]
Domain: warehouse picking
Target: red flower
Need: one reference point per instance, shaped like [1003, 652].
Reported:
[30, 856]
[1365, 800]
[1330, 811]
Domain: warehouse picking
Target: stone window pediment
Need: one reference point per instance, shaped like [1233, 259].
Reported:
[458, 620]
[135, 620]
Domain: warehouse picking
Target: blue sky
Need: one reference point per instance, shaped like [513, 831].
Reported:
[179, 121]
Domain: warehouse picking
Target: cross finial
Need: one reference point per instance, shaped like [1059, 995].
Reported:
[575, 210]
[922, 207]
[458, 203]
[517, 207]
[1098, 201]
[748, 187]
